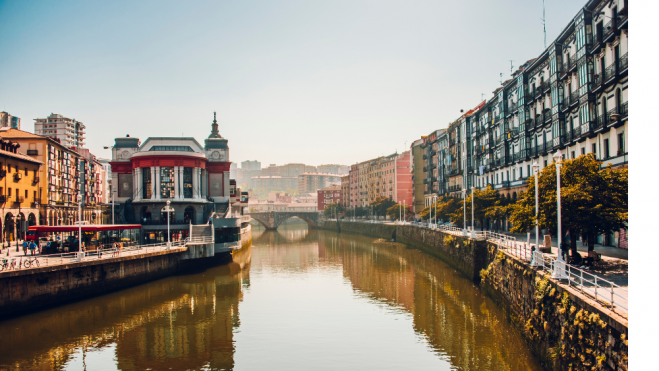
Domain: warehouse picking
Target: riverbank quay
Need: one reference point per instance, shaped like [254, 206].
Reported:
[26, 290]
[566, 328]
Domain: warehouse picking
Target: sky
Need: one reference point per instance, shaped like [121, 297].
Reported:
[316, 82]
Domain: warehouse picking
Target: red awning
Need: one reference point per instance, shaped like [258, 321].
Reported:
[85, 228]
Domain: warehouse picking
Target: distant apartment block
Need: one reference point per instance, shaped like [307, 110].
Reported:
[69, 132]
[311, 182]
[9, 121]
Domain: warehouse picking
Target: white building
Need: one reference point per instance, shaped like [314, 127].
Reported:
[69, 132]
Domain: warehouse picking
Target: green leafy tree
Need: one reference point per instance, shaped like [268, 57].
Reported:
[358, 211]
[333, 209]
[593, 200]
[398, 211]
[381, 205]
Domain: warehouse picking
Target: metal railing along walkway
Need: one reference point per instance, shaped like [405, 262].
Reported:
[105, 252]
[605, 292]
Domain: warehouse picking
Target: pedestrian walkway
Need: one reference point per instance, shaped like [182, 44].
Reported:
[606, 251]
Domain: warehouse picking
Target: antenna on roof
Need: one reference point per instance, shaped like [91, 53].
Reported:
[482, 96]
[511, 67]
[544, 28]
[501, 78]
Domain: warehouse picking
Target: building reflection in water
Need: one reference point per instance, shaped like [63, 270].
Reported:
[179, 322]
[451, 314]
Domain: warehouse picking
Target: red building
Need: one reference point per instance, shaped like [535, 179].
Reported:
[329, 195]
[404, 184]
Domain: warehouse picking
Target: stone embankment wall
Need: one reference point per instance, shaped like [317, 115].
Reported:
[565, 329]
[40, 288]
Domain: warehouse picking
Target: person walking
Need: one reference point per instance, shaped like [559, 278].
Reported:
[25, 247]
[32, 247]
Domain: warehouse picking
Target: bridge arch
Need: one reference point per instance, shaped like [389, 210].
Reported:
[273, 219]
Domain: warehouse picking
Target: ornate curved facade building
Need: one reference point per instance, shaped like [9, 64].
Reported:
[194, 178]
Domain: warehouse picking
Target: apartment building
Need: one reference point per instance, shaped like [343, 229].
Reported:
[71, 133]
[9, 121]
[311, 182]
[20, 191]
[345, 191]
[65, 174]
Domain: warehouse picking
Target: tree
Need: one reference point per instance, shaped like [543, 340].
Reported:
[483, 201]
[333, 210]
[359, 211]
[398, 211]
[380, 206]
[593, 200]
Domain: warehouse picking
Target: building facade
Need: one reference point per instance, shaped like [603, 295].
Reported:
[9, 121]
[345, 191]
[328, 196]
[71, 133]
[311, 182]
[20, 191]
[194, 178]
[64, 176]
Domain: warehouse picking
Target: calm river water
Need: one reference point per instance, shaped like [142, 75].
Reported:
[297, 299]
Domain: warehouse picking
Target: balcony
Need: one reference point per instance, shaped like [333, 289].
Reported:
[546, 116]
[18, 176]
[610, 72]
[623, 64]
[425, 157]
[19, 199]
[623, 110]
[538, 91]
[3, 199]
[541, 149]
[597, 82]
[609, 29]
[538, 120]
[600, 122]
[574, 98]
[32, 152]
[576, 132]
[35, 180]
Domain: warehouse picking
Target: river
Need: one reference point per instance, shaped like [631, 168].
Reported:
[297, 299]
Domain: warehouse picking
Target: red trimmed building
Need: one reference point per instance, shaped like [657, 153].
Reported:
[329, 195]
[194, 178]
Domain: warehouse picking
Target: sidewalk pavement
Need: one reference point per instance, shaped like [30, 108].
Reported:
[609, 252]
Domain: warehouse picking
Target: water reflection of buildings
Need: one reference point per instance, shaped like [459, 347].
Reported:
[180, 322]
[456, 319]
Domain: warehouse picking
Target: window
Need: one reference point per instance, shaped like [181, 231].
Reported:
[9, 192]
[621, 143]
[26, 193]
[25, 171]
[34, 194]
[528, 170]
[146, 183]
[605, 154]
[594, 149]
[573, 155]
[172, 148]
[583, 150]
[545, 163]
[167, 182]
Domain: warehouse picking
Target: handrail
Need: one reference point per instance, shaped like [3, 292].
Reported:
[104, 252]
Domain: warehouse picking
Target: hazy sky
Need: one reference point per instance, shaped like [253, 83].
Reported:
[291, 81]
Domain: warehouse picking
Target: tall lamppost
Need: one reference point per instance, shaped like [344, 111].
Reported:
[473, 233]
[536, 169]
[464, 211]
[559, 264]
[404, 209]
[167, 210]
[80, 227]
[112, 191]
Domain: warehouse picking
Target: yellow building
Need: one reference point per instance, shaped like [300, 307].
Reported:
[20, 190]
[60, 178]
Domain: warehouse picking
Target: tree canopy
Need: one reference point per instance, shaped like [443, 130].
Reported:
[593, 200]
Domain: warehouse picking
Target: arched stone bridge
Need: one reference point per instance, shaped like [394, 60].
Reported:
[273, 219]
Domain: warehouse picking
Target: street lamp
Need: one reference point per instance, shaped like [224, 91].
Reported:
[464, 212]
[473, 234]
[80, 227]
[536, 169]
[167, 211]
[112, 191]
[559, 264]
